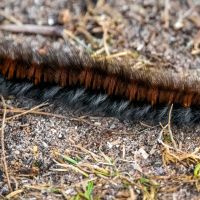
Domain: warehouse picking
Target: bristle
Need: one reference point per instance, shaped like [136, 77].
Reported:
[83, 100]
[106, 86]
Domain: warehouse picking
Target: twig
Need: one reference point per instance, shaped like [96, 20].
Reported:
[42, 30]
[26, 112]
[3, 145]
[16, 110]
[33, 29]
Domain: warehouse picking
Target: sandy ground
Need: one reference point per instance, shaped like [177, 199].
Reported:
[54, 153]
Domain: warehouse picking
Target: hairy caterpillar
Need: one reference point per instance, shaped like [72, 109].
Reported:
[99, 86]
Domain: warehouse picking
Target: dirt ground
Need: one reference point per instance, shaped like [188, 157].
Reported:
[55, 153]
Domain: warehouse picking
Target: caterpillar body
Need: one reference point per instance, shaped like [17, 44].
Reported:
[99, 86]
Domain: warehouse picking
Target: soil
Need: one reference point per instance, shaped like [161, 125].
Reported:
[56, 153]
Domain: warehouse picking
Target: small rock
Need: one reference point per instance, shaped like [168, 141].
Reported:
[17, 152]
[45, 145]
[97, 124]
[112, 126]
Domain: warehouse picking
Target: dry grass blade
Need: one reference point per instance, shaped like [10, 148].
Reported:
[10, 18]
[166, 13]
[27, 111]
[14, 193]
[179, 156]
[67, 33]
[34, 111]
[169, 128]
[65, 166]
[96, 157]
[3, 154]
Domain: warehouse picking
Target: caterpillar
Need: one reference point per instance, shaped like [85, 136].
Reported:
[99, 86]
